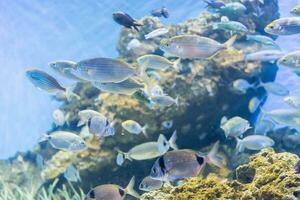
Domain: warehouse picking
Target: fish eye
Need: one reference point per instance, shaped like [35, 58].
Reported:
[92, 194]
[121, 192]
[271, 26]
[164, 143]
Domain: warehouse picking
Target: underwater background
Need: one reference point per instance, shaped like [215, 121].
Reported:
[35, 33]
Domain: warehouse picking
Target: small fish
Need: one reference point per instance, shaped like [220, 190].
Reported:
[253, 104]
[215, 4]
[58, 117]
[288, 117]
[148, 184]
[166, 125]
[97, 125]
[134, 127]
[264, 56]
[295, 10]
[292, 101]
[125, 20]
[40, 162]
[180, 164]
[275, 88]
[72, 174]
[148, 150]
[156, 90]
[264, 40]
[104, 70]
[66, 141]
[127, 87]
[156, 33]
[263, 127]
[152, 61]
[297, 167]
[241, 86]
[233, 9]
[232, 26]
[85, 115]
[164, 100]
[112, 192]
[254, 142]
[193, 46]
[291, 61]
[162, 12]
[234, 127]
[284, 26]
[65, 68]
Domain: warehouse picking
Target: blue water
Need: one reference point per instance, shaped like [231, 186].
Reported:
[36, 32]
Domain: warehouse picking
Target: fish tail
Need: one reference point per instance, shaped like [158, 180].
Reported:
[176, 64]
[130, 188]
[124, 154]
[172, 141]
[70, 94]
[212, 157]
[263, 112]
[177, 101]
[144, 128]
[44, 137]
[230, 42]
[135, 26]
[80, 123]
[239, 146]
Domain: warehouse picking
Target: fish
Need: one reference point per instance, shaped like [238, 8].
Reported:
[166, 125]
[263, 127]
[295, 10]
[275, 88]
[264, 40]
[241, 86]
[193, 46]
[156, 33]
[254, 103]
[105, 70]
[232, 26]
[148, 184]
[234, 127]
[72, 174]
[288, 117]
[162, 12]
[59, 117]
[99, 125]
[125, 20]
[134, 127]
[65, 68]
[179, 164]
[156, 90]
[292, 101]
[85, 115]
[284, 26]
[112, 192]
[215, 4]
[152, 61]
[148, 150]
[40, 162]
[264, 56]
[164, 100]
[65, 141]
[48, 83]
[291, 61]
[126, 87]
[254, 142]
[232, 9]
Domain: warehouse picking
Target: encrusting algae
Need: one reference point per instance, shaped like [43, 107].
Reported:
[274, 178]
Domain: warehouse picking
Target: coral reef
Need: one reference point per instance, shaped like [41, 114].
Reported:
[268, 175]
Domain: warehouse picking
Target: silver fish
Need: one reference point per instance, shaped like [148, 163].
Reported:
[97, 125]
[264, 56]
[232, 26]
[162, 12]
[134, 127]
[85, 115]
[156, 90]
[288, 117]
[263, 127]
[193, 46]
[254, 142]
[152, 61]
[180, 164]
[275, 88]
[234, 127]
[156, 33]
[295, 10]
[264, 40]
[66, 141]
[59, 117]
[291, 61]
[65, 68]
[127, 87]
[253, 104]
[241, 86]
[72, 174]
[292, 101]
[166, 125]
[148, 184]
[104, 70]
[234, 8]
[164, 100]
[112, 192]
[148, 150]
[284, 26]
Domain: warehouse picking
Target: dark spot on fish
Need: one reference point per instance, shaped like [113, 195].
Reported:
[200, 160]
[121, 192]
[92, 194]
[297, 167]
[89, 122]
[161, 163]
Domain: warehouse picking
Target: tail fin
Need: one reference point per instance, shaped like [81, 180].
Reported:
[263, 113]
[70, 94]
[144, 128]
[176, 64]
[172, 141]
[130, 188]
[239, 146]
[213, 158]
[176, 101]
[121, 157]
[135, 26]
[44, 137]
[230, 42]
